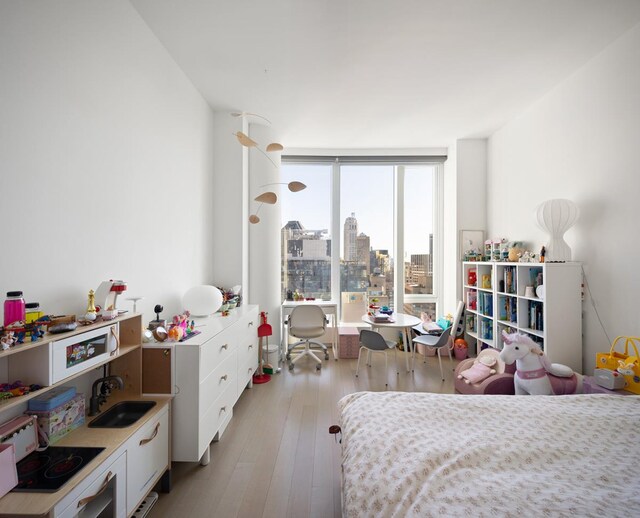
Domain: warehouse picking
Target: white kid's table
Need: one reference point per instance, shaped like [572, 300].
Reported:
[329, 308]
[399, 321]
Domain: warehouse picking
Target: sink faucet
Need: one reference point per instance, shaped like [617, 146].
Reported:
[107, 383]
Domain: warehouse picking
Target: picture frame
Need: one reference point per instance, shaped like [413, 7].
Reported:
[471, 239]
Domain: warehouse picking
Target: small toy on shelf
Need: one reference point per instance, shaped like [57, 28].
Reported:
[91, 313]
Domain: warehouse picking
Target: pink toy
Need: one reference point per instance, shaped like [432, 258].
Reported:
[481, 369]
[535, 375]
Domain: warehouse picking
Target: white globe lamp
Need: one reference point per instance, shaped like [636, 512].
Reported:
[202, 300]
[556, 217]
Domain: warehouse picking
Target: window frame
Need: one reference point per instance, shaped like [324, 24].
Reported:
[399, 163]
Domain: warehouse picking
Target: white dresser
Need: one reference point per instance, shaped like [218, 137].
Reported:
[212, 370]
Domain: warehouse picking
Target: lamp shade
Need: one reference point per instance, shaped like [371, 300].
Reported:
[202, 300]
[556, 217]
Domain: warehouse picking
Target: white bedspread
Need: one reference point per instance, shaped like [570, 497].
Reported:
[416, 454]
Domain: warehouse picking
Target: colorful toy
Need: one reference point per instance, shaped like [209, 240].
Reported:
[481, 369]
[535, 375]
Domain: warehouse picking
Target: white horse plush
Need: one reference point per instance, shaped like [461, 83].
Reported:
[533, 369]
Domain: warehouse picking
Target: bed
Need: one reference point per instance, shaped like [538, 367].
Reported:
[421, 455]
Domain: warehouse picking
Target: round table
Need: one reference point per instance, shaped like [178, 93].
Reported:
[398, 321]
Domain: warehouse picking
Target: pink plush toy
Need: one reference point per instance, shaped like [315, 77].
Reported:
[480, 370]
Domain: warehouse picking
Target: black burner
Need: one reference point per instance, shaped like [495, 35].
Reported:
[47, 471]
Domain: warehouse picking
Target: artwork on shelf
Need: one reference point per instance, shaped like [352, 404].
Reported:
[471, 242]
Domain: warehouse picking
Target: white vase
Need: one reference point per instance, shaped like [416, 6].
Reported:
[556, 217]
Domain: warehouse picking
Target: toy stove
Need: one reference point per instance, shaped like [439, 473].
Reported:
[47, 471]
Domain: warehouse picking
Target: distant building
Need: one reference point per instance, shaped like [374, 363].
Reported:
[363, 247]
[350, 235]
[306, 261]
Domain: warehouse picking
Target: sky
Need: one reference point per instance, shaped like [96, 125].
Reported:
[366, 191]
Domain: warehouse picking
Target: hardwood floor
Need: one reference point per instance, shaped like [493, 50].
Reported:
[276, 457]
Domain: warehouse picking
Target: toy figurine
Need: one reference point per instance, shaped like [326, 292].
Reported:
[543, 252]
[91, 313]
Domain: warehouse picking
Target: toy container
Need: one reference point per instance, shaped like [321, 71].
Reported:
[348, 343]
[51, 399]
[59, 421]
[14, 310]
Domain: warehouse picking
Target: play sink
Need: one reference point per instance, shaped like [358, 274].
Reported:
[122, 414]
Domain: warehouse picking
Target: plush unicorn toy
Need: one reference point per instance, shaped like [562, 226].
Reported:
[535, 375]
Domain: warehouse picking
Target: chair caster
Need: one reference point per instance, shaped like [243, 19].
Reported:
[291, 366]
[288, 356]
[326, 356]
[318, 367]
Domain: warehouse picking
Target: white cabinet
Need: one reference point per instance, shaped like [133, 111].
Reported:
[147, 458]
[102, 493]
[212, 370]
[543, 300]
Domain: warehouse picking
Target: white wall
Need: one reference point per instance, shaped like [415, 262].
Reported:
[465, 206]
[106, 158]
[581, 142]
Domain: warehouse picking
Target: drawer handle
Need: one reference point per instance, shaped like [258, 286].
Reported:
[223, 409]
[153, 435]
[250, 369]
[86, 500]
[223, 378]
[225, 346]
[250, 323]
[117, 339]
[251, 346]
[166, 352]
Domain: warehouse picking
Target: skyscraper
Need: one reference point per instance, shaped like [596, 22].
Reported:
[350, 241]
[363, 247]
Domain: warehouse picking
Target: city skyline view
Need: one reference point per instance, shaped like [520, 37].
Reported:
[366, 191]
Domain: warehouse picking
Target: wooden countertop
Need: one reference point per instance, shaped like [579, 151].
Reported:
[40, 504]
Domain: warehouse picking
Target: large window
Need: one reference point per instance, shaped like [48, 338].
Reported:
[362, 230]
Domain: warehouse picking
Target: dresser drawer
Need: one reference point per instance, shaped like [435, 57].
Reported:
[216, 350]
[217, 382]
[219, 412]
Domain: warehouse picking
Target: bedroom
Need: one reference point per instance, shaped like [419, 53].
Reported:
[115, 165]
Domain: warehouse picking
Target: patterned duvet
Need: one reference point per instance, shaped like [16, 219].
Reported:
[417, 454]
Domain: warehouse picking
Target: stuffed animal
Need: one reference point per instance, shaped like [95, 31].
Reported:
[535, 374]
[481, 369]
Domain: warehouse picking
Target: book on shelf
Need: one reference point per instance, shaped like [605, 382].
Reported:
[536, 321]
[472, 300]
[510, 279]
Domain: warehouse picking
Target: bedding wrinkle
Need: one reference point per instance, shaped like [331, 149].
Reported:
[420, 455]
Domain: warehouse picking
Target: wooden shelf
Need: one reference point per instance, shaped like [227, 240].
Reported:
[51, 337]
[6, 404]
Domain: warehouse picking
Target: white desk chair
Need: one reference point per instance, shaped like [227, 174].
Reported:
[306, 323]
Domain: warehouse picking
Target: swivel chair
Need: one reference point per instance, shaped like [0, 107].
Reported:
[306, 323]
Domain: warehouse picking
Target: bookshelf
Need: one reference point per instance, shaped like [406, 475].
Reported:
[505, 296]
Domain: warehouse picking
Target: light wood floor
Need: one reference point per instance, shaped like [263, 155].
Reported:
[276, 457]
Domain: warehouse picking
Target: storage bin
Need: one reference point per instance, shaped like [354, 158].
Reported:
[8, 473]
[51, 399]
[348, 342]
[58, 422]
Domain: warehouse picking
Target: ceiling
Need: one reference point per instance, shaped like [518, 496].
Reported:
[383, 73]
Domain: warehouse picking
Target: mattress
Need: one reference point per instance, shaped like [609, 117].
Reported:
[417, 454]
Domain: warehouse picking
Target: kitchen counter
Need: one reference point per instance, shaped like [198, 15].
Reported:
[112, 439]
